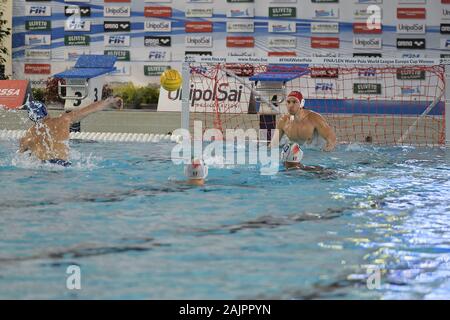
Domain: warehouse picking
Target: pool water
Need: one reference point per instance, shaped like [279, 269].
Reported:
[376, 228]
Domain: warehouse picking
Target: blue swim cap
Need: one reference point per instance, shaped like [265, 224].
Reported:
[36, 111]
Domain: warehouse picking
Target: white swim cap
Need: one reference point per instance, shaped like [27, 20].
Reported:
[292, 153]
[196, 170]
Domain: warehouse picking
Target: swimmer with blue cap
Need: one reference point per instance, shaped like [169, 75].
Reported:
[47, 139]
[196, 172]
[292, 155]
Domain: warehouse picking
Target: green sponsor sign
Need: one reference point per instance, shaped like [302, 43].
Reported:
[367, 88]
[410, 74]
[283, 12]
[38, 25]
[154, 70]
[122, 55]
[77, 40]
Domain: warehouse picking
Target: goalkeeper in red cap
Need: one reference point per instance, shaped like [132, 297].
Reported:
[304, 126]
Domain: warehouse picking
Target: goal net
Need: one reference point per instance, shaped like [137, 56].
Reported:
[379, 101]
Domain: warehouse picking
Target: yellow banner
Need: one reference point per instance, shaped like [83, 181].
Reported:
[6, 9]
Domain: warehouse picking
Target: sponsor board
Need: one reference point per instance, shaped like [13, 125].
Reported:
[326, 13]
[77, 25]
[325, 42]
[37, 68]
[445, 28]
[122, 69]
[156, 55]
[158, 12]
[82, 11]
[198, 26]
[73, 55]
[319, 72]
[241, 13]
[198, 53]
[445, 44]
[12, 93]
[407, 43]
[157, 26]
[411, 28]
[38, 54]
[322, 27]
[116, 40]
[324, 88]
[368, 73]
[122, 55]
[367, 43]
[38, 11]
[199, 41]
[410, 74]
[240, 26]
[154, 71]
[38, 39]
[363, 28]
[367, 88]
[155, 41]
[199, 12]
[81, 40]
[367, 54]
[281, 54]
[240, 42]
[241, 53]
[410, 91]
[366, 13]
[117, 11]
[411, 13]
[38, 25]
[282, 12]
[282, 42]
[116, 26]
[282, 27]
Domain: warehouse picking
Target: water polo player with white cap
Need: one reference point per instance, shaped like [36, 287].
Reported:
[304, 126]
[196, 172]
[292, 155]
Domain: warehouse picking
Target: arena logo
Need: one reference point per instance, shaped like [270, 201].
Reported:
[199, 13]
[317, 72]
[241, 13]
[326, 14]
[282, 27]
[116, 11]
[38, 11]
[77, 10]
[282, 42]
[231, 147]
[411, 43]
[411, 28]
[154, 41]
[117, 41]
[198, 41]
[158, 26]
[115, 26]
[158, 12]
[198, 26]
[445, 28]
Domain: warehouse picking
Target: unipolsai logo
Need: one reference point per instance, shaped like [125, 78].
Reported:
[158, 26]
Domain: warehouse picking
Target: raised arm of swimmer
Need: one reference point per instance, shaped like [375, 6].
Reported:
[79, 114]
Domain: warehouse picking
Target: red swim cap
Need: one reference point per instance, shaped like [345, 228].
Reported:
[298, 95]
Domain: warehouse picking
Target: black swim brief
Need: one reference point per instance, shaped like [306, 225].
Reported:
[59, 162]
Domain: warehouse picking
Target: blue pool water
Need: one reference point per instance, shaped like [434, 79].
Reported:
[120, 215]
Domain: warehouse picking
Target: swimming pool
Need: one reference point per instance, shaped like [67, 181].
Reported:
[136, 233]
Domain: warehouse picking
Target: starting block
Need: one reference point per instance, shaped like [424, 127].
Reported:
[84, 82]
